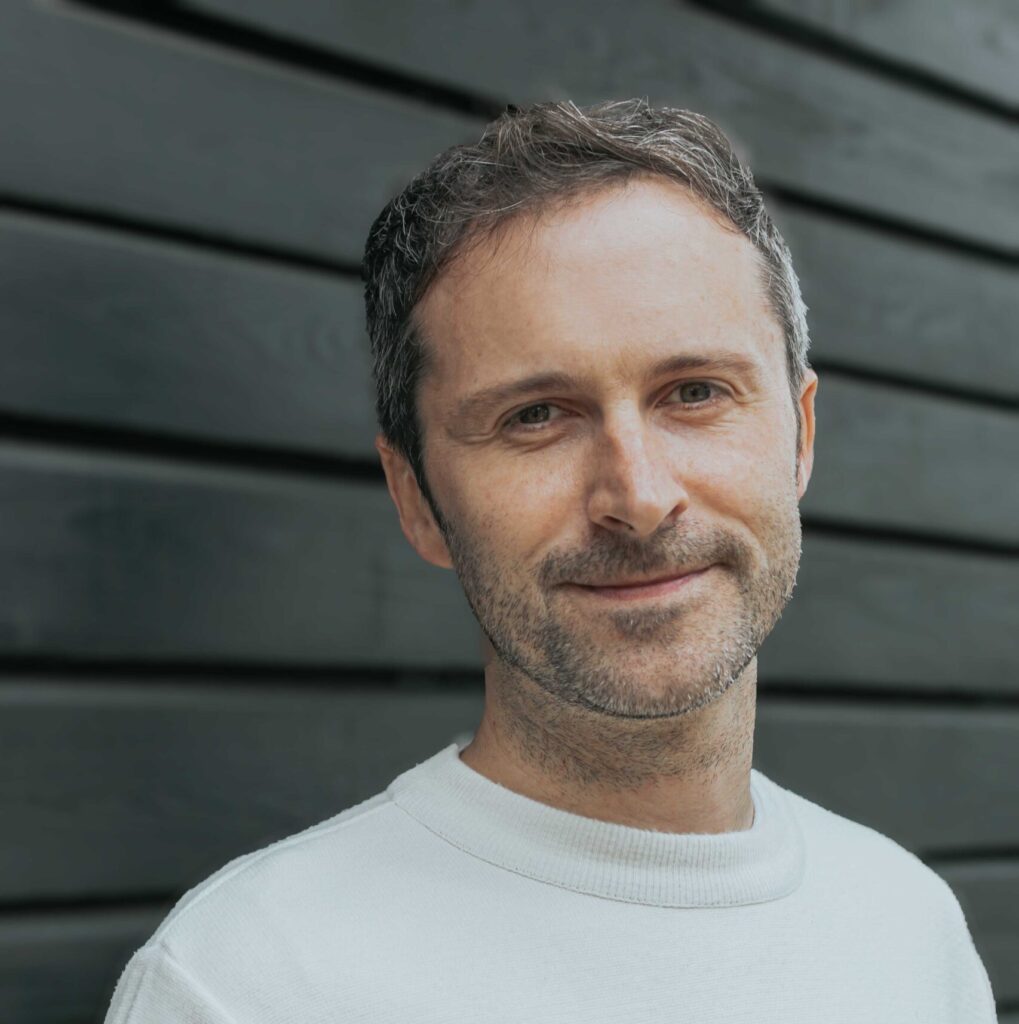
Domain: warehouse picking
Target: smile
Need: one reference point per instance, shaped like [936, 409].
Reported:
[636, 591]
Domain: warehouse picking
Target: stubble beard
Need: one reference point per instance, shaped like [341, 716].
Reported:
[659, 661]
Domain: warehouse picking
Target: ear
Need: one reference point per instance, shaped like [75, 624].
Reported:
[805, 456]
[416, 519]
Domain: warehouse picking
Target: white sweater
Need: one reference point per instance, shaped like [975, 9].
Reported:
[449, 898]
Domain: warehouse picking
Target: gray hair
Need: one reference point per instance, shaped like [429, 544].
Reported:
[525, 160]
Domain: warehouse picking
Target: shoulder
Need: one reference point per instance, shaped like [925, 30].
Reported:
[270, 886]
[865, 879]
[250, 930]
[864, 860]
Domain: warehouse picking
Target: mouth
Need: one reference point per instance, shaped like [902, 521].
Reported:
[633, 590]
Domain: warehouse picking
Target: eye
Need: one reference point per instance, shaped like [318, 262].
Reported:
[699, 388]
[533, 417]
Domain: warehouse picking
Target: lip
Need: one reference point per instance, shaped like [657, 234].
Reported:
[634, 592]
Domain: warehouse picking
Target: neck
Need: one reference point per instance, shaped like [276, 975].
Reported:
[689, 773]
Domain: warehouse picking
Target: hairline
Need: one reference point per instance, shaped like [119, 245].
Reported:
[478, 232]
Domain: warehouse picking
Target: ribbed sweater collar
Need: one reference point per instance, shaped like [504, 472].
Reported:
[505, 828]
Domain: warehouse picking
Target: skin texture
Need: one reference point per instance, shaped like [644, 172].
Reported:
[639, 712]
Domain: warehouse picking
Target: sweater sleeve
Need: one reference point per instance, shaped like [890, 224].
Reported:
[155, 989]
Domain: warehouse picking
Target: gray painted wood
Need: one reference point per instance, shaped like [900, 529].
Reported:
[182, 775]
[937, 779]
[61, 966]
[125, 557]
[915, 311]
[99, 328]
[917, 620]
[156, 785]
[171, 132]
[805, 121]
[974, 44]
[144, 559]
[152, 311]
[104, 328]
[988, 892]
[122, 557]
[887, 457]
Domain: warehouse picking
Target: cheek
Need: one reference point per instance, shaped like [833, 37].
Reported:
[729, 459]
[738, 472]
[520, 506]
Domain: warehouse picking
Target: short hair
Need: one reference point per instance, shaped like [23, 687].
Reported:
[526, 159]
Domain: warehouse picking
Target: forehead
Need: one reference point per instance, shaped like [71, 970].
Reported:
[608, 283]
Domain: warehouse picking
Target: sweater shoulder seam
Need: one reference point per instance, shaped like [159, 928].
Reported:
[239, 865]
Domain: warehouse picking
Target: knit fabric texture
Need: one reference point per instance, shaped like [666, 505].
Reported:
[448, 897]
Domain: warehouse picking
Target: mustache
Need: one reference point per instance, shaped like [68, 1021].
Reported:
[660, 555]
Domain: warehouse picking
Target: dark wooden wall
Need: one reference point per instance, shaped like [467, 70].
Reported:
[212, 632]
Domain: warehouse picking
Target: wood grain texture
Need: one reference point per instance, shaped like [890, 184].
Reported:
[124, 557]
[916, 618]
[894, 306]
[146, 559]
[198, 138]
[973, 44]
[110, 327]
[888, 457]
[103, 328]
[158, 784]
[936, 779]
[135, 788]
[806, 122]
[988, 892]
[155, 784]
[110, 331]
[61, 966]
[187, 774]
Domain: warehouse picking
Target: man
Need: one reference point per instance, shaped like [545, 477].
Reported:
[595, 406]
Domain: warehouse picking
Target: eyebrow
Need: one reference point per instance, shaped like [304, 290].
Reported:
[481, 401]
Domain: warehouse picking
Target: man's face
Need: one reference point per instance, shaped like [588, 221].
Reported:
[568, 446]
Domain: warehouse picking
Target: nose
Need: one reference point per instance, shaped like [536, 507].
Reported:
[635, 489]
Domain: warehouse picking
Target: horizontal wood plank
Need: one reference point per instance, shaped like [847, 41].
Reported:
[807, 122]
[936, 779]
[110, 327]
[988, 891]
[154, 785]
[908, 618]
[100, 329]
[235, 146]
[61, 966]
[104, 328]
[888, 457]
[973, 44]
[913, 311]
[150, 127]
[137, 558]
